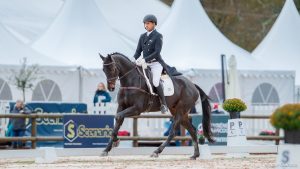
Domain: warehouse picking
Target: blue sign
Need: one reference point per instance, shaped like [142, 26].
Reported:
[218, 127]
[51, 126]
[87, 131]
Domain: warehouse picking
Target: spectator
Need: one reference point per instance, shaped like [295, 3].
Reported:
[18, 125]
[101, 95]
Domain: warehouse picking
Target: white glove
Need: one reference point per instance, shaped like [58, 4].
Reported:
[140, 61]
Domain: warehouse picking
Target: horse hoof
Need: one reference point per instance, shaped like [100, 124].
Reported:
[116, 143]
[104, 154]
[154, 155]
[193, 157]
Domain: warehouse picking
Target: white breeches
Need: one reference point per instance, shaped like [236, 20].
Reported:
[156, 69]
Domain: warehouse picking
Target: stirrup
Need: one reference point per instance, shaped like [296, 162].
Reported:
[164, 109]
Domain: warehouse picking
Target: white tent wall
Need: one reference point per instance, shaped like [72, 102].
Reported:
[280, 50]
[67, 80]
[65, 77]
[297, 94]
[280, 82]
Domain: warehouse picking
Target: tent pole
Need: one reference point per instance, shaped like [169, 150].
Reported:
[79, 84]
[223, 57]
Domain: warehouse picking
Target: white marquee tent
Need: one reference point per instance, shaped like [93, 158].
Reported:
[126, 17]
[77, 35]
[12, 51]
[191, 40]
[80, 30]
[27, 20]
[280, 49]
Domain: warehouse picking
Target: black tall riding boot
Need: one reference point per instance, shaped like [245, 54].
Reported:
[163, 108]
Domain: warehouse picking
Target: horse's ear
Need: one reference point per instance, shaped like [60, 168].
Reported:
[102, 57]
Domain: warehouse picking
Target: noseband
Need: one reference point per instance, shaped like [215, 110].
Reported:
[117, 77]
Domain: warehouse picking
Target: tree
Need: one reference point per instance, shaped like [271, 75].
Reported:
[25, 77]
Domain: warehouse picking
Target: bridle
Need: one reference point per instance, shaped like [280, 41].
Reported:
[109, 80]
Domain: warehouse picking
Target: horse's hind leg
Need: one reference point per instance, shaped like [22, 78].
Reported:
[170, 137]
[191, 129]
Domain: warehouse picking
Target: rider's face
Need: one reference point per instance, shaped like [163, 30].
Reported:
[149, 26]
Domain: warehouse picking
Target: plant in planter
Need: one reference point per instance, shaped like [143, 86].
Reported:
[234, 107]
[287, 118]
[201, 137]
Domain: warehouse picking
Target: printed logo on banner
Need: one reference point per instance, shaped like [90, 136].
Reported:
[70, 131]
[82, 131]
[51, 126]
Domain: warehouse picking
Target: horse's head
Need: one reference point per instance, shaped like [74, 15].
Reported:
[111, 71]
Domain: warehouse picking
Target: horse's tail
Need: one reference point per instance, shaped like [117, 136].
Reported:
[206, 108]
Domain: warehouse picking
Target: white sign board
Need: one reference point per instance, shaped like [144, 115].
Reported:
[288, 156]
[236, 132]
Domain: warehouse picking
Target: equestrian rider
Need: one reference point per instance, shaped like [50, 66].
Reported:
[150, 43]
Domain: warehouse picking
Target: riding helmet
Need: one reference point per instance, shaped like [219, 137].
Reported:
[150, 18]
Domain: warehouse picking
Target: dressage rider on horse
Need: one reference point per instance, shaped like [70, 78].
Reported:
[150, 43]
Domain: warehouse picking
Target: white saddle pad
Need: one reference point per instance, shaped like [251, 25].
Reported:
[168, 85]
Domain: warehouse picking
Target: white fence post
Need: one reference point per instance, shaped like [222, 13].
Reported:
[4, 109]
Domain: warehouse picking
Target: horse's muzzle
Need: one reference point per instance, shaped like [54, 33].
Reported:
[111, 87]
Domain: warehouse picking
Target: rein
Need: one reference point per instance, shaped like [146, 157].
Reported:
[118, 78]
[127, 73]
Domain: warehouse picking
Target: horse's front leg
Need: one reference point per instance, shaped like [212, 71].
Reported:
[121, 114]
[170, 137]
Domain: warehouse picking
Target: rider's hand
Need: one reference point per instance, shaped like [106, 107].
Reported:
[140, 61]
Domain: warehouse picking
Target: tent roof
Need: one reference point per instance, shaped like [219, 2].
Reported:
[126, 17]
[26, 20]
[280, 49]
[78, 33]
[192, 40]
[12, 51]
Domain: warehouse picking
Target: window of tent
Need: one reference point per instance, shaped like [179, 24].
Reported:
[265, 94]
[5, 92]
[46, 90]
[216, 93]
[265, 100]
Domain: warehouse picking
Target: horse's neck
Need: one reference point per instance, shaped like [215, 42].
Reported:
[128, 75]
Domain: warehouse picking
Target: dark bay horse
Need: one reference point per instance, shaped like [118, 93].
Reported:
[134, 98]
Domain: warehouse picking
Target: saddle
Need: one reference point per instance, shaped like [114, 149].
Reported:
[165, 80]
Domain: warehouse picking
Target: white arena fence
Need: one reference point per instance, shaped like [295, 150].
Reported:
[157, 127]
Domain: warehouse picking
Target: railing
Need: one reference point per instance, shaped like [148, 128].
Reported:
[135, 138]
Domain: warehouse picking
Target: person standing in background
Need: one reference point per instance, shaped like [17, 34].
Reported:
[18, 125]
[101, 95]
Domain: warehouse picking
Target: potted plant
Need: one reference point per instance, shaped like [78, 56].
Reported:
[201, 137]
[287, 118]
[234, 107]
